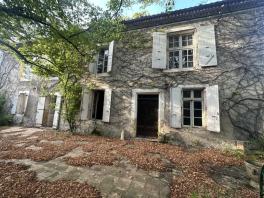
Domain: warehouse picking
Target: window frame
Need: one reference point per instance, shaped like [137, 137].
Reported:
[26, 72]
[93, 102]
[105, 59]
[192, 100]
[181, 49]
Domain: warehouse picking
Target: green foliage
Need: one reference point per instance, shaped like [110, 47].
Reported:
[258, 143]
[58, 38]
[96, 132]
[208, 192]
[237, 153]
[255, 149]
[72, 101]
[140, 14]
[5, 118]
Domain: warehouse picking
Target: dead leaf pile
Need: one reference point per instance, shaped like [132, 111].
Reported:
[195, 165]
[16, 181]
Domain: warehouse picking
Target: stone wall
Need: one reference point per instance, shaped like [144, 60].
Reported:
[239, 75]
[15, 84]
[132, 70]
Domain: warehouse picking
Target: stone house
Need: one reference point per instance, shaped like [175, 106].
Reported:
[22, 91]
[185, 75]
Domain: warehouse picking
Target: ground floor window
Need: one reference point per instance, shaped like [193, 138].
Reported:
[192, 107]
[98, 104]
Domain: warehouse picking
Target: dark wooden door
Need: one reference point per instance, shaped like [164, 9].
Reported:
[147, 115]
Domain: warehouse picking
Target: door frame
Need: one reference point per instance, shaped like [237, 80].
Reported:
[134, 107]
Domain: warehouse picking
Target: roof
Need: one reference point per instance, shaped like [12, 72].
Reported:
[201, 11]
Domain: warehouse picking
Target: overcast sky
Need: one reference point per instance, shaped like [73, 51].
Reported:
[155, 9]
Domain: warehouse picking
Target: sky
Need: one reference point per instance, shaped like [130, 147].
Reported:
[155, 9]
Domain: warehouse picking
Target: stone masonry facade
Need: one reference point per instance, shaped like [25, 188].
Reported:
[224, 77]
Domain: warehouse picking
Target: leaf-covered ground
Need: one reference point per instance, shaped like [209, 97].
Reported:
[16, 181]
[195, 166]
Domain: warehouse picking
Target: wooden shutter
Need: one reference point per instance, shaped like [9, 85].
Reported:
[207, 46]
[85, 106]
[159, 50]
[176, 107]
[22, 100]
[57, 111]
[212, 103]
[107, 105]
[14, 104]
[40, 111]
[93, 65]
[1, 57]
[110, 56]
[25, 101]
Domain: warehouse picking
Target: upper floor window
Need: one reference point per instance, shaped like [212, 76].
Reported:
[102, 61]
[26, 72]
[180, 51]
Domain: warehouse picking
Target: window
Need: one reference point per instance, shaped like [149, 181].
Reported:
[102, 61]
[98, 104]
[180, 51]
[26, 72]
[192, 108]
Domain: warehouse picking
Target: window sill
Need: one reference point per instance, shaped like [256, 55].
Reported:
[102, 75]
[54, 78]
[193, 127]
[25, 80]
[178, 70]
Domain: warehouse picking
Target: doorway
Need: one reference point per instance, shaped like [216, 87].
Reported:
[147, 115]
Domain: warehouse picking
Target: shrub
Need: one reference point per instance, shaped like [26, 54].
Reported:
[5, 117]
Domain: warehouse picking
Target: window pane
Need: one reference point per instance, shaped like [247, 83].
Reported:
[102, 61]
[190, 40]
[100, 67]
[197, 93]
[170, 42]
[186, 93]
[186, 112]
[174, 41]
[174, 59]
[186, 104]
[185, 58]
[197, 105]
[197, 113]
[186, 40]
[186, 121]
[197, 121]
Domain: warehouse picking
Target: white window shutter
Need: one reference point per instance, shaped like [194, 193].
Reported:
[107, 105]
[57, 111]
[110, 56]
[26, 101]
[176, 107]
[1, 57]
[212, 103]
[22, 101]
[159, 50]
[207, 46]
[40, 111]
[93, 65]
[14, 104]
[85, 106]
